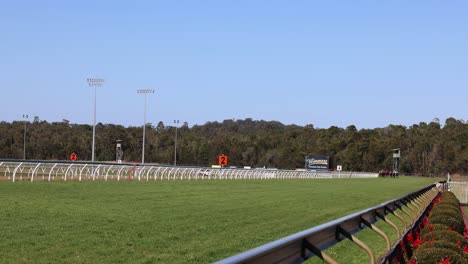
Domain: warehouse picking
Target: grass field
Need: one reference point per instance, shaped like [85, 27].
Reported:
[173, 221]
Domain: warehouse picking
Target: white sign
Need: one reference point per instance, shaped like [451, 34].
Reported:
[339, 168]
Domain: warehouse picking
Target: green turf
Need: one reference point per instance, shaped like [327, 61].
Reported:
[173, 221]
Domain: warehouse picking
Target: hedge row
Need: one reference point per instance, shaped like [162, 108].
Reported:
[440, 238]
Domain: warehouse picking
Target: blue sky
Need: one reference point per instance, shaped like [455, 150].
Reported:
[367, 63]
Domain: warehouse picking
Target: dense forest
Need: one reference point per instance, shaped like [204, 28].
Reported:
[428, 149]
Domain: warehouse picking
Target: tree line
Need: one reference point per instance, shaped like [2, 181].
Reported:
[427, 148]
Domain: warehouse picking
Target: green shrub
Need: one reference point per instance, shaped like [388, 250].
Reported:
[435, 255]
[446, 206]
[449, 200]
[448, 212]
[446, 235]
[442, 244]
[435, 227]
[447, 194]
[452, 203]
[454, 222]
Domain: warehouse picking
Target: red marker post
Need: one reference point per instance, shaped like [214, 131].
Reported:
[222, 160]
[73, 156]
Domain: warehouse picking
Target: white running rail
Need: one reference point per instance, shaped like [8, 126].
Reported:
[63, 171]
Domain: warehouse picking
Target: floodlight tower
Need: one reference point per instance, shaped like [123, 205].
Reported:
[145, 92]
[94, 83]
[396, 160]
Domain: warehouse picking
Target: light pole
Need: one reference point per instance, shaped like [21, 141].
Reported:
[94, 83]
[176, 123]
[25, 117]
[145, 92]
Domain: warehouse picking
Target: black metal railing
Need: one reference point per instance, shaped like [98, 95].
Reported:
[312, 242]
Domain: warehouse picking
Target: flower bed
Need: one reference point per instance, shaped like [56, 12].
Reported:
[442, 235]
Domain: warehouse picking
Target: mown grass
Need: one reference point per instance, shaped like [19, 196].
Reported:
[174, 221]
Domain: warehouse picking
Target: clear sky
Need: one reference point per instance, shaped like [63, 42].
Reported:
[367, 63]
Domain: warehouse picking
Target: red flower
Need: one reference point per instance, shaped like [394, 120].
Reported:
[424, 222]
[412, 261]
[444, 261]
[458, 242]
[409, 237]
[416, 243]
[431, 228]
[465, 249]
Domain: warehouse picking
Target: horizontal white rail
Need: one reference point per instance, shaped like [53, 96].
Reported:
[49, 171]
[460, 189]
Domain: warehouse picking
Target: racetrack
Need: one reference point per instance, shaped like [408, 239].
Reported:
[172, 221]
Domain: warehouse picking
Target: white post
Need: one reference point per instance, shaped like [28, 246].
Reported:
[51, 170]
[34, 171]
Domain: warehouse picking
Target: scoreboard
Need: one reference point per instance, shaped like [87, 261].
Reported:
[317, 162]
